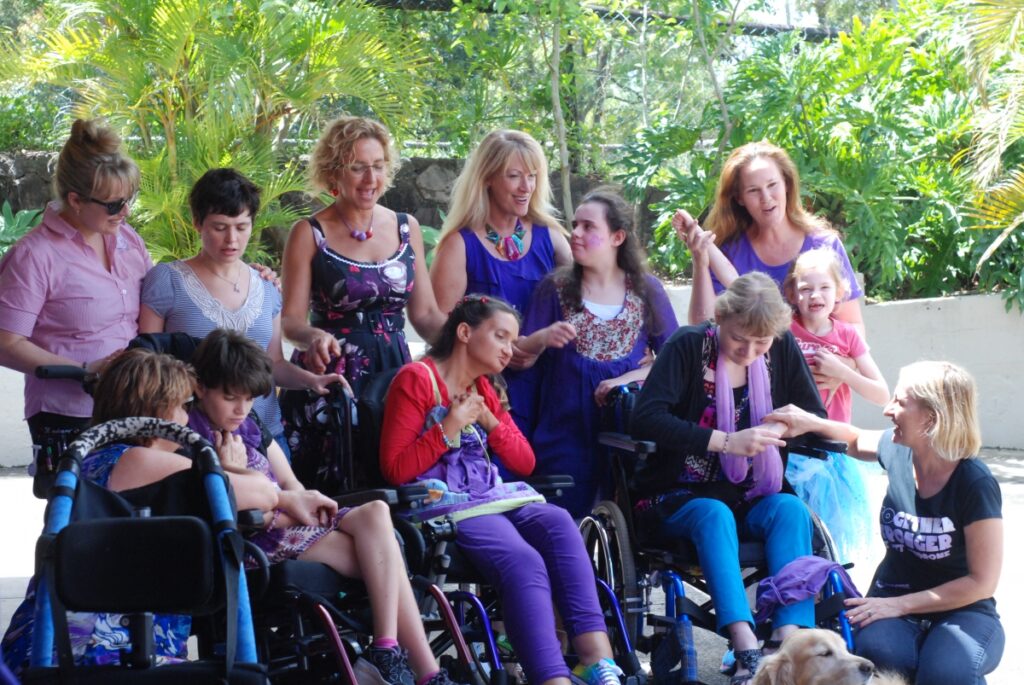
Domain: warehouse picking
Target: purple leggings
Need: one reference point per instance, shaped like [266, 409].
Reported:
[531, 555]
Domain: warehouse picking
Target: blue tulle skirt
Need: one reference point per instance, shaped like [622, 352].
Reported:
[834, 489]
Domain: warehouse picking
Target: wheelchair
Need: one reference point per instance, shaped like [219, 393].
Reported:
[634, 566]
[430, 554]
[309, 623]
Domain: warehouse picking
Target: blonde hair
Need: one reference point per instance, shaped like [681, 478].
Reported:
[754, 304]
[728, 218]
[818, 259]
[950, 395]
[141, 382]
[91, 162]
[336, 145]
[470, 204]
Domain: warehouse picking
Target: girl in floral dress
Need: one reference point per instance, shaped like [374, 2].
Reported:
[589, 327]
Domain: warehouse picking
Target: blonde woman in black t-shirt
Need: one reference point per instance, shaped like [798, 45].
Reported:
[930, 612]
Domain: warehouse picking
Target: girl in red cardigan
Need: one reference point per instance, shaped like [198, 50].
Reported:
[444, 423]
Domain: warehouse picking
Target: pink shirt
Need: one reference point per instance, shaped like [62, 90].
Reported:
[56, 293]
[844, 341]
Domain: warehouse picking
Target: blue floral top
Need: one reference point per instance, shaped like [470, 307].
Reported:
[96, 639]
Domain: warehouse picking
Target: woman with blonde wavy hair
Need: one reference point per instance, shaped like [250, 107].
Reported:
[930, 613]
[501, 237]
[355, 268]
[758, 223]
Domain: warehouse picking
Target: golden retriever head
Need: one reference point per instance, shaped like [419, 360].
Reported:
[815, 657]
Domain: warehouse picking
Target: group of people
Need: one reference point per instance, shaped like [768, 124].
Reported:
[529, 327]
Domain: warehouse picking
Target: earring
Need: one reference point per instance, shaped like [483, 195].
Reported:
[334, 192]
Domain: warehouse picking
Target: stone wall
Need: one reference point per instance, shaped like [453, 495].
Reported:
[26, 179]
[422, 188]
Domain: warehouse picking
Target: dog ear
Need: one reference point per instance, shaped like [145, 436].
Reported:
[775, 670]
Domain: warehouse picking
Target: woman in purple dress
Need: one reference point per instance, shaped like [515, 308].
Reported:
[353, 269]
[589, 327]
[501, 238]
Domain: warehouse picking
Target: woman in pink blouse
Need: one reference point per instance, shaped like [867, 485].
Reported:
[69, 289]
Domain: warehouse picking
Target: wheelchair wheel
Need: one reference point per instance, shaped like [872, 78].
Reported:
[821, 539]
[606, 538]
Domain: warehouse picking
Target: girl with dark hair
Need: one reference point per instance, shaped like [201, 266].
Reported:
[591, 325]
[359, 542]
[443, 423]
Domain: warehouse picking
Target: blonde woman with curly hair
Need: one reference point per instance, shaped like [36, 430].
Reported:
[354, 269]
[501, 238]
[758, 223]
[930, 613]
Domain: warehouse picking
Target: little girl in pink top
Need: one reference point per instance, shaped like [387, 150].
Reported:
[839, 359]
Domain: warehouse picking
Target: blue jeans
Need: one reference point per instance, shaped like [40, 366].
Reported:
[959, 648]
[781, 521]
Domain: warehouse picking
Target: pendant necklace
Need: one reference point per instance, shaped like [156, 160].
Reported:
[356, 233]
[509, 247]
[234, 283]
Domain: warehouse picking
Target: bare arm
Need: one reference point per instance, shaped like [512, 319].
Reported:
[150, 321]
[19, 353]
[863, 444]
[424, 313]
[448, 272]
[281, 469]
[140, 466]
[563, 253]
[298, 282]
[984, 542]
[292, 376]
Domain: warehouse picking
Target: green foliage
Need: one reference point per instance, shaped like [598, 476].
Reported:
[193, 85]
[29, 119]
[872, 120]
[13, 226]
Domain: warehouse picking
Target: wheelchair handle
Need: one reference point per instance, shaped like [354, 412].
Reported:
[61, 372]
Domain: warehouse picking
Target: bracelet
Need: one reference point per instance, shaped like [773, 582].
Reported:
[273, 520]
[448, 442]
[725, 445]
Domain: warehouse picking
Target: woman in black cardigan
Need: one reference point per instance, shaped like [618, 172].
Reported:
[717, 472]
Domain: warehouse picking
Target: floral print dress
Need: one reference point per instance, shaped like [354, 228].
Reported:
[362, 304]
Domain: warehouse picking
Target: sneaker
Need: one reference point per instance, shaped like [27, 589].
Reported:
[604, 672]
[441, 678]
[384, 667]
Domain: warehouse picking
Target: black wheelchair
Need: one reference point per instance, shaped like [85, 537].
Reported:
[352, 429]
[634, 565]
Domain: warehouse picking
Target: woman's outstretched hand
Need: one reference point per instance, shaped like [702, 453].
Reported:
[322, 348]
[559, 334]
[751, 441]
[797, 421]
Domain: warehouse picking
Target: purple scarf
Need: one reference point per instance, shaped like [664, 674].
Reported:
[768, 464]
[251, 436]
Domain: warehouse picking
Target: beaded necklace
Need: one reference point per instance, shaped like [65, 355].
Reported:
[356, 233]
[510, 247]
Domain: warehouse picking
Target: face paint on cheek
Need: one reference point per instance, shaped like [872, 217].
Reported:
[594, 240]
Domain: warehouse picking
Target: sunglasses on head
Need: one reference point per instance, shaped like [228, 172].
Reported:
[113, 206]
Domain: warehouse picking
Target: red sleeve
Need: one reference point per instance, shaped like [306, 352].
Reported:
[404, 453]
[506, 441]
[854, 343]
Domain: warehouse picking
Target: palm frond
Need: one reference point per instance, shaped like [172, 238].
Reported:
[1001, 208]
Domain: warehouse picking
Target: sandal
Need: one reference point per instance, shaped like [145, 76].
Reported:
[748, 659]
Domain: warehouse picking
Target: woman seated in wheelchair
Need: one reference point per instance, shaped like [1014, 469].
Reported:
[444, 423]
[717, 472]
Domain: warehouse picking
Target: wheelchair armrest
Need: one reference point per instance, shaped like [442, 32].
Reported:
[355, 499]
[814, 446]
[412, 494]
[621, 441]
[550, 485]
[250, 520]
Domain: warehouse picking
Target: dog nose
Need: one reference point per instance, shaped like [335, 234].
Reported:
[867, 667]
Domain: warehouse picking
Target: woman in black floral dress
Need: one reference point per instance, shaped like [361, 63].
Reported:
[353, 270]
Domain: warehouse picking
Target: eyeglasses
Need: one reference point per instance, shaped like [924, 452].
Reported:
[358, 168]
[113, 206]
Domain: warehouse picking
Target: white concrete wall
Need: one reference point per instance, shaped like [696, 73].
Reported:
[974, 331]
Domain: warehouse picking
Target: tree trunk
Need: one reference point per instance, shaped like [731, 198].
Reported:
[554, 66]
